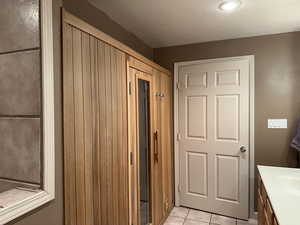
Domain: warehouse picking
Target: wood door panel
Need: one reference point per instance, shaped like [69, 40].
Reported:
[95, 128]
[134, 76]
[166, 137]
[124, 173]
[162, 165]
[158, 166]
[132, 145]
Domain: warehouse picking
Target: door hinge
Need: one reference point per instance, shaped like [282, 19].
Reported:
[129, 87]
[178, 136]
[131, 158]
[178, 85]
[178, 188]
[166, 205]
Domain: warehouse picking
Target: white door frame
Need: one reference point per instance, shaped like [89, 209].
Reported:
[250, 58]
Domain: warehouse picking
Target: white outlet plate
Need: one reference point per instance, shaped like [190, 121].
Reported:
[277, 123]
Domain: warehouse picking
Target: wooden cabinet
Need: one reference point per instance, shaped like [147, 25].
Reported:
[266, 214]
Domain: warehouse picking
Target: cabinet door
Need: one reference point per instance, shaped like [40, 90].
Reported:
[158, 165]
[166, 141]
[260, 209]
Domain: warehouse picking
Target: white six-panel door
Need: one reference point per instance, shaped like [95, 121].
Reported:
[213, 119]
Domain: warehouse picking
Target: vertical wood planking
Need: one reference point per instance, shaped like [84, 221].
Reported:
[133, 141]
[114, 155]
[164, 131]
[96, 131]
[120, 181]
[171, 142]
[98, 117]
[169, 139]
[79, 126]
[69, 145]
[124, 150]
[109, 148]
[96, 138]
[130, 144]
[158, 192]
[166, 140]
[88, 127]
[102, 103]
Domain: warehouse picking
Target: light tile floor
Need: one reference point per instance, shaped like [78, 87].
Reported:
[185, 216]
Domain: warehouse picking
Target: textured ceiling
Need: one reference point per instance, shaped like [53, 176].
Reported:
[161, 23]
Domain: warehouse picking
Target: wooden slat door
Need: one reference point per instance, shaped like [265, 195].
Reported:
[132, 143]
[95, 131]
[166, 143]
[158, 166]
[134, 75]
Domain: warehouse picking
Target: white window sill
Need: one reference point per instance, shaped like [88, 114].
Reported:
[23, 206]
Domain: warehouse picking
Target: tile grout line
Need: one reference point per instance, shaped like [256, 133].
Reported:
[186, 216]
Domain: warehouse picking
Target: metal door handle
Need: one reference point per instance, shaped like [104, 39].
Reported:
[243, 149]
[155, 146]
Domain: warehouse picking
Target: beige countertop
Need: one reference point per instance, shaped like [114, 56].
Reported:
[283, 188]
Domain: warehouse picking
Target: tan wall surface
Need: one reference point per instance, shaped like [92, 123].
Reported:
[95, 17]
[277, 81]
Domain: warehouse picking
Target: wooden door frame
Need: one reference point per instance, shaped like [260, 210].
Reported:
[251, 59]
[145, 75]
[148, 78]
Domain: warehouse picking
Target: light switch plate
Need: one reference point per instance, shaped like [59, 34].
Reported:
[277, 123]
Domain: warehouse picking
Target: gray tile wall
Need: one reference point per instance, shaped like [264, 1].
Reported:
[20, 146]
[20, 83]
[19, 25]
[20, 91]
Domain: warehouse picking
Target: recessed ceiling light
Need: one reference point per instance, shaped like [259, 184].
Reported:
[229, 5]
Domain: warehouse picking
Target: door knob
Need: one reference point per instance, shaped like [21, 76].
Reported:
[243, 149]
